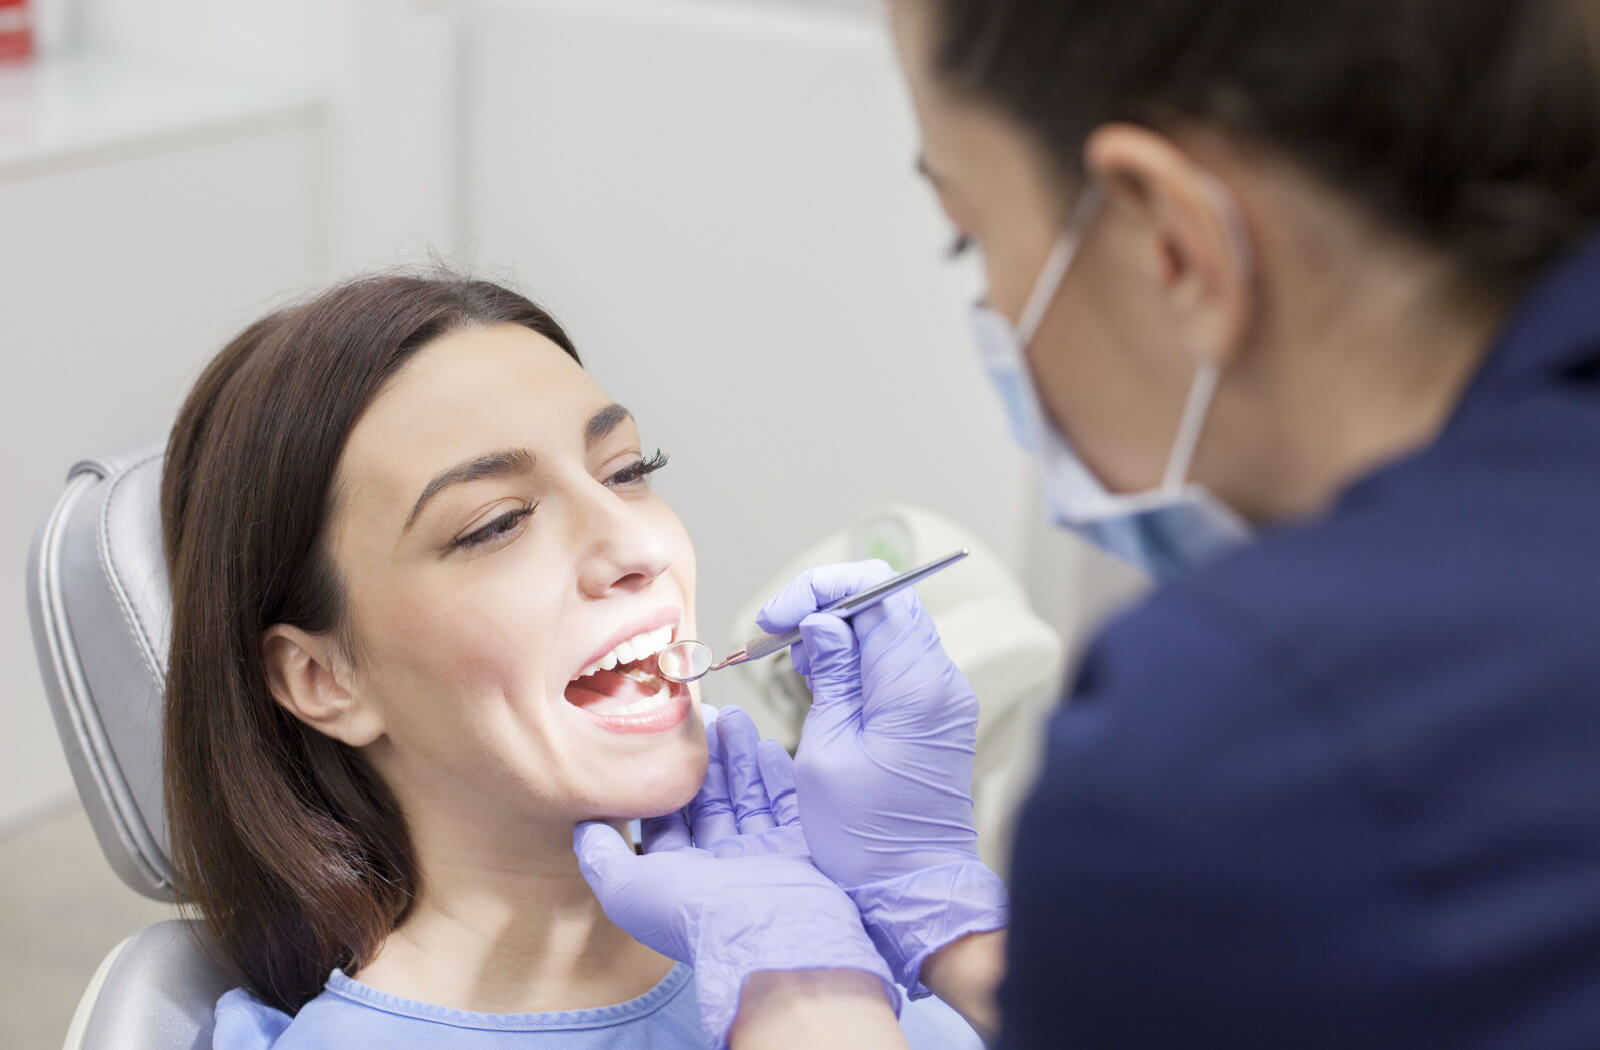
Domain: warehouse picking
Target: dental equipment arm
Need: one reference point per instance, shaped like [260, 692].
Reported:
[883, 776]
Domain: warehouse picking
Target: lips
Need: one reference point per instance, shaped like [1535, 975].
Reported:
[620, 689]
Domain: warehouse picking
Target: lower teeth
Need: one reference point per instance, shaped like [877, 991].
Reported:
[662, 696]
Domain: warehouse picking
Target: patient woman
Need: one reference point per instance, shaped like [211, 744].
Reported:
[418, 579]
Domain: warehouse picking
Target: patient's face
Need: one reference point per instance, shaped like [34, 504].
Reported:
[537, 547]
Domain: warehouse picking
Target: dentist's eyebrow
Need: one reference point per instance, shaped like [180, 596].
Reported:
[602, 423]
[928, 173]
[494, 465]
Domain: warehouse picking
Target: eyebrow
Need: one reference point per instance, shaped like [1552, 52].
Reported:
[603, 422]
[511, 461]
[927, 172]
[494, 465]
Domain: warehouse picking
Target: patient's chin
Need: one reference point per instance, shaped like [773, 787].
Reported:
[663, 790]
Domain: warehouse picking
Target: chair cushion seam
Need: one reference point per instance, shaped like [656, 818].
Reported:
[130, 615]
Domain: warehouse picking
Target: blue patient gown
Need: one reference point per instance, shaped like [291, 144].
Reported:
[349, 1015]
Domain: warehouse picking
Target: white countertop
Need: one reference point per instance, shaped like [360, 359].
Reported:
[62, 109]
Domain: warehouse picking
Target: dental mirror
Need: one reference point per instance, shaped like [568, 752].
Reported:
[690, 659]
[685, 661]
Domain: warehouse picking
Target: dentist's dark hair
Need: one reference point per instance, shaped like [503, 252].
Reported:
[285, 840]
[1471, 126]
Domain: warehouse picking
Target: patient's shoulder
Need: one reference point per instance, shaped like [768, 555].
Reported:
[244, 1022]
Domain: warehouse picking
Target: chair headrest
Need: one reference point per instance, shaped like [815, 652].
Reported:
[101, 613]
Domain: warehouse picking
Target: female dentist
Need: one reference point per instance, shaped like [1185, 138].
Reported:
[1298, 305]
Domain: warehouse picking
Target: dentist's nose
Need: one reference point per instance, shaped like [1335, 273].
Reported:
[623, 550]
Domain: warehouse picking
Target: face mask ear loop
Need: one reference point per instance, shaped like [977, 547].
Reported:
[1205, 377]
[1190, 427]
[1222, 199]
[1055, 268]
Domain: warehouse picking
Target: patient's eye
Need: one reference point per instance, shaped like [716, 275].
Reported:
[498, 529]
[636, 472]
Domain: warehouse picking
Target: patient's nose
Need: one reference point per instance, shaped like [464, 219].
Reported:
[624, 548]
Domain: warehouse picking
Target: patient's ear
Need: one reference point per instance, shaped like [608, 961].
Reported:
[309, 679]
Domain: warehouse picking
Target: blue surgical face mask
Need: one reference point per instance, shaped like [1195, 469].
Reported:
[1162, 531]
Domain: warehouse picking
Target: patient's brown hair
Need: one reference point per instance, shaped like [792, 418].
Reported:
[284, 839]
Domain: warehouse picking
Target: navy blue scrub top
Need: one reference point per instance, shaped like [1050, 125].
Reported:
[1342, 787]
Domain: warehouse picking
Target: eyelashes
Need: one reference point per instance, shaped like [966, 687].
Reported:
[959, 245]
[502, 527]
[638, 470]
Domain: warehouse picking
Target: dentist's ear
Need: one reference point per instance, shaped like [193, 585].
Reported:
[1192, 237]
[308, 678]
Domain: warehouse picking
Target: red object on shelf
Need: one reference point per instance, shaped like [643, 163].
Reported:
[16, 31]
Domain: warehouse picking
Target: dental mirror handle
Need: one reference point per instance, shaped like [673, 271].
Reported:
[766, 644]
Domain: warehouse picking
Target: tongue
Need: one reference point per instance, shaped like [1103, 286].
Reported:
[606, 691]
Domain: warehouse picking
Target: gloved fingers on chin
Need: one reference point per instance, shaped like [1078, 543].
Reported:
[711, 810]
[739, 740]
[777, 769]
[780, 849]
[814, 588]
[669, 832]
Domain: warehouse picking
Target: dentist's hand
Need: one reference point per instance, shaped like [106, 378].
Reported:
[884, 769]
[730, 889]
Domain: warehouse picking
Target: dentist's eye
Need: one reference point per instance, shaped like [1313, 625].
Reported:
[498, 529]
[635, 473]
[959, 246]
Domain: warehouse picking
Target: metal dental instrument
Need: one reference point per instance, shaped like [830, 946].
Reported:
[690, 659]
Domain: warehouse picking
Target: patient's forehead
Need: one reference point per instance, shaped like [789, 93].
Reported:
[469, 392]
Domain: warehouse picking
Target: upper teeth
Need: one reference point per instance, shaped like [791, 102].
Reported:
[639, 647]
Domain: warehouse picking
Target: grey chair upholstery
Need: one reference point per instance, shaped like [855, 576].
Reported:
[154, 991]
[100, 611]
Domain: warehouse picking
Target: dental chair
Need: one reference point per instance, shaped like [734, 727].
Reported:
[100, 612]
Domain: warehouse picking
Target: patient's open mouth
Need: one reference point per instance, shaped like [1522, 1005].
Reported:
[623, 689]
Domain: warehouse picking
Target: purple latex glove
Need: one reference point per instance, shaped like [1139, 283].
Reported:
[730, 889]
[884, 770]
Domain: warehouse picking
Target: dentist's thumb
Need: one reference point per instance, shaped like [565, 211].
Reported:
[638, 897]
[604, 858]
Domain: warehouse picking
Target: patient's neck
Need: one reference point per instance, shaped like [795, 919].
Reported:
[509, 927]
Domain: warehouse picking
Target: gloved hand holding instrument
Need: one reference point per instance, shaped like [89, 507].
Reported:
[883, 774]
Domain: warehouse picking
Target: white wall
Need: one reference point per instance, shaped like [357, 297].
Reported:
[387, 73]
[719, 201]
[280, 38]
[121, 273]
